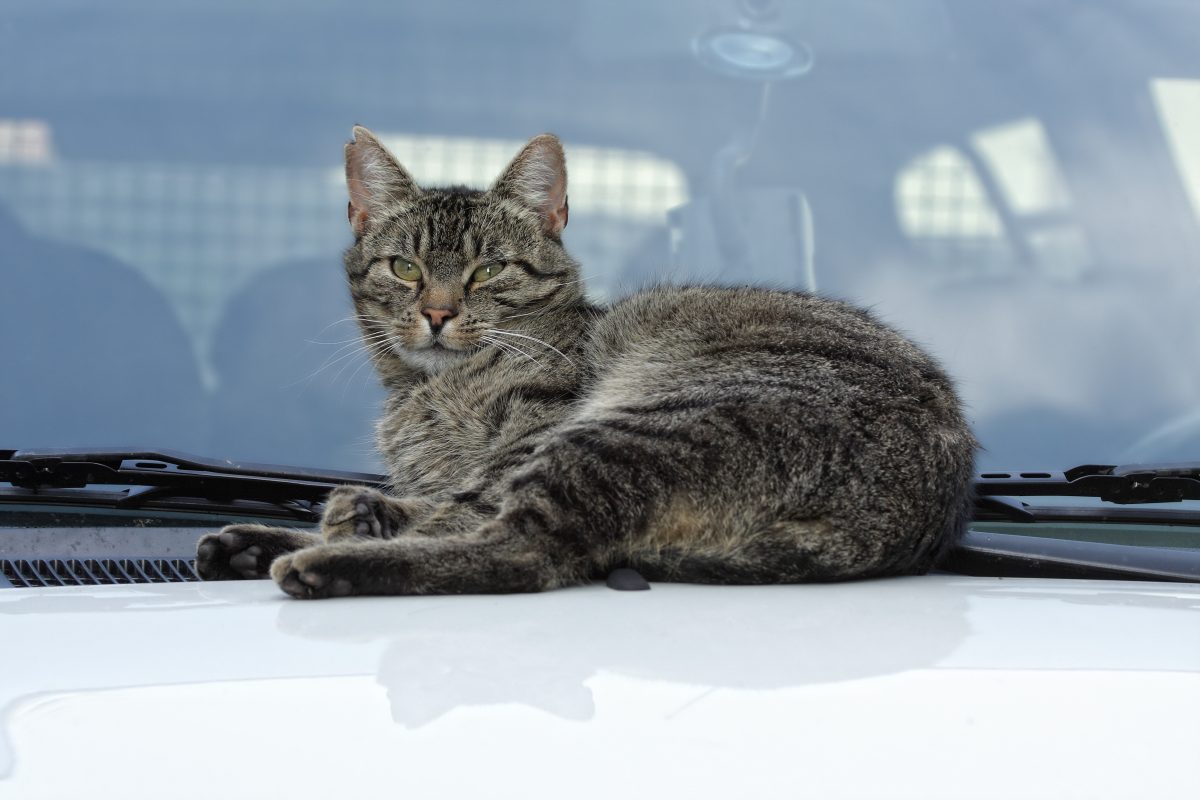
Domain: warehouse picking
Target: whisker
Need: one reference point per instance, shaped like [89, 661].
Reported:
[330, 325]
[357, 340]
[513, 348]
[532, 339]
[341, 341]
[376, 350]
[354, 374]
[371, 348]
[344, 352]
[340, 353]
[508, 347]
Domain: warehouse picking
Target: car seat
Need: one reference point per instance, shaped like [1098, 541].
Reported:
[93, 354]
[293, 384]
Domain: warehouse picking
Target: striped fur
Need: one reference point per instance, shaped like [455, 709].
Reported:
[718, 435]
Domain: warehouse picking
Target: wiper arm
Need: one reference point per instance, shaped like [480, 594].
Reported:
[163, 474]
[1131, 483]
[998, 497]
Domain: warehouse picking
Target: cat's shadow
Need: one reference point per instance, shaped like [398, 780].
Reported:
[542, 650]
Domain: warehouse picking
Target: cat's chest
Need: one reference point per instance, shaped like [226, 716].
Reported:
[438, 435]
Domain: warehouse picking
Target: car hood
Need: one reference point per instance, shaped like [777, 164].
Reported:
[926, 687]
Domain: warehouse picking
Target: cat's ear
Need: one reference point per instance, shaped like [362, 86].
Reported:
[374, 178]
[537, 178]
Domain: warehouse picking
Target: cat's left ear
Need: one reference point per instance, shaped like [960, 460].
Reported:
[375, 180]
[537, 178]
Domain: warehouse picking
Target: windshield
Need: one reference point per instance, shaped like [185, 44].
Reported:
[1015, 184]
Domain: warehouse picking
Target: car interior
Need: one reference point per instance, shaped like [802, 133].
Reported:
[175, 235]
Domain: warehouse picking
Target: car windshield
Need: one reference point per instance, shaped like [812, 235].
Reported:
[1015, 184]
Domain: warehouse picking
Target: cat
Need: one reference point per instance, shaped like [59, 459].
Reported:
[535, 440]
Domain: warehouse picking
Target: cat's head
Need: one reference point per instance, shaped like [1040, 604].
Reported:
[433, 270]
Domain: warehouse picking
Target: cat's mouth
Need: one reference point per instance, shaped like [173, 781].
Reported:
[440, 345]
[435, 343]
[431, 356]
[430, 347]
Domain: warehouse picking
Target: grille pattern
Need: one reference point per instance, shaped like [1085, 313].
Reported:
[93, 571]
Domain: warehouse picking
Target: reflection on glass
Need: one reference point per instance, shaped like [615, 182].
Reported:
[1178, 105]
[1026, 205]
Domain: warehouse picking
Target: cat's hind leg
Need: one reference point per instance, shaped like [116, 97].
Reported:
[246, 551]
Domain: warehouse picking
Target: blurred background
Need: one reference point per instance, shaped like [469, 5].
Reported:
[1014, 184]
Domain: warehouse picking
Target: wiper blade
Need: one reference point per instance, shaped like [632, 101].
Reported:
[1130, 483]
[161, 475]
[998, 496]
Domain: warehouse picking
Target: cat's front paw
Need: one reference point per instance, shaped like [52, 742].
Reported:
[361, 512]
[312, 574]
[245, 551]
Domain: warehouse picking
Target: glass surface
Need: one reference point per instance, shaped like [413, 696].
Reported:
[1180, 537]
[1016, 184]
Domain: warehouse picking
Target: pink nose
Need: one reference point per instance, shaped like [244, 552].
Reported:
[437, 316]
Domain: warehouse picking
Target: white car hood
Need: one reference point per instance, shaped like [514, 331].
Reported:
[926, 687]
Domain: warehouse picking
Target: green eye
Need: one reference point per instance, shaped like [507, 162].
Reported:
[405, 270]
[486, 272]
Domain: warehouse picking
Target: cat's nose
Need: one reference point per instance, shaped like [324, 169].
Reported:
[437, 316]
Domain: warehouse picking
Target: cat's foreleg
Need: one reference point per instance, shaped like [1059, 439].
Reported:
[352, 514]
[361, 512]
[493, 559]
[246, 551]
[560, 518]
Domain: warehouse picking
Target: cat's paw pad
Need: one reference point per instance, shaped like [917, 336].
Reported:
[303, 575]
[363, 513]
[229, 555]
[243, 551]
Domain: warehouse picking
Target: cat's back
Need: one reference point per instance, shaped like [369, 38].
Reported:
[751, 342]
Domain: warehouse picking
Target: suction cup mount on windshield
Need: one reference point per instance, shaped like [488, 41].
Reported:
[754, 233]
[755, 48]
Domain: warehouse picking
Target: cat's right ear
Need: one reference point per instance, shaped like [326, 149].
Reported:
[537, 178]
[374, 178]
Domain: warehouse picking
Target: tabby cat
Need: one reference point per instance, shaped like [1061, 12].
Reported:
[535, 440]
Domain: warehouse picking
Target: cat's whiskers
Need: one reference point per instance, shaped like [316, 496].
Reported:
[507, 347]
[336, 356]
[350, 344]
[368, 345]
[532, 356]
[534, 339]
[346, 351]
[330, 325]
[374, 351]
[357, 338]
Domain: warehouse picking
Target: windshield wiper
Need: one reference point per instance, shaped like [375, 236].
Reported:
[1130, 483]
[162, 479]
[166, 479]
[1130, 488]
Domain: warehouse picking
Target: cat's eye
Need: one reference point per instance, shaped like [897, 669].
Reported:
[486, 272]
[405, 270]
